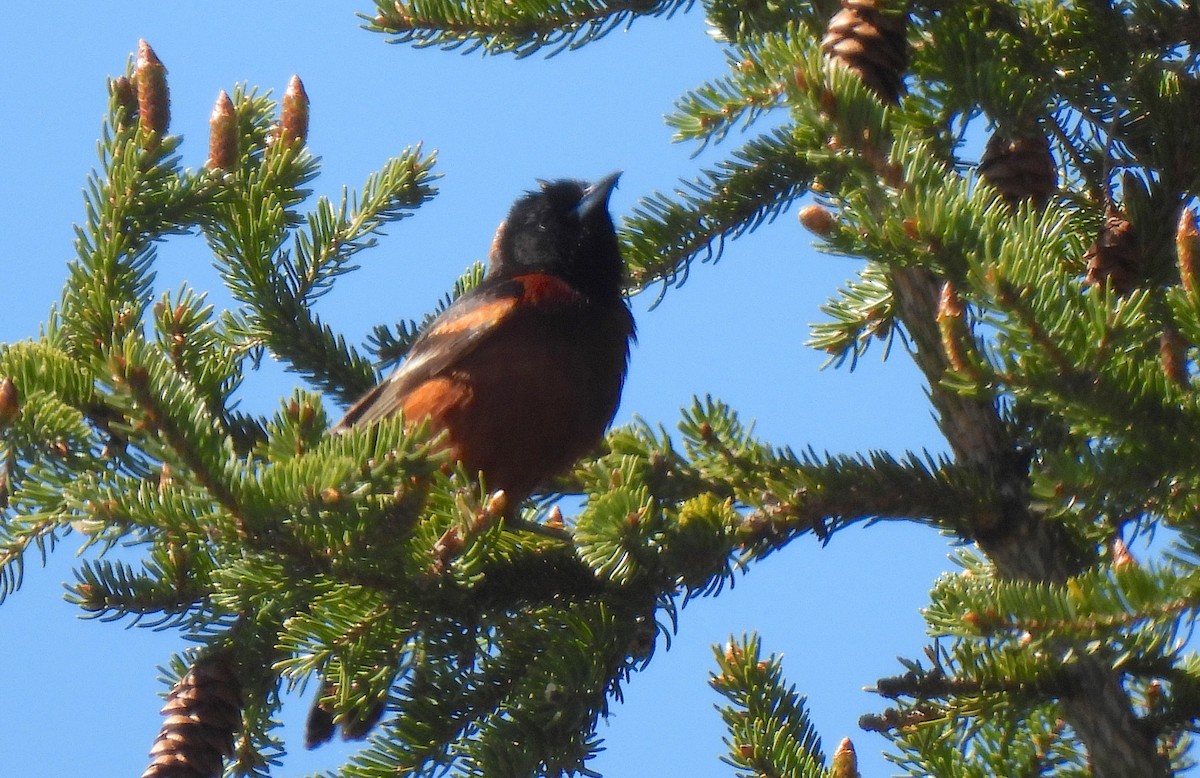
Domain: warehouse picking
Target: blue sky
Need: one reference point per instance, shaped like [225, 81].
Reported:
[80, 692]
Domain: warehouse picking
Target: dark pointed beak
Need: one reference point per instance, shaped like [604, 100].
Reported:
[596, 196]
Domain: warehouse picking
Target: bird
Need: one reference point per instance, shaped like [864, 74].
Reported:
[523, 374]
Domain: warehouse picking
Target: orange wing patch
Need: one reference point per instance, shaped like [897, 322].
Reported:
[435, 398]
[479, 316]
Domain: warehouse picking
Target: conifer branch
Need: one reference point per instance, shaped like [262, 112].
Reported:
[169, 409]
[740, 23]
[769, 729]
[137, 198]
[521, 29]
[112, 590]
[666, 233]
[45, 441]
[1023, 544]
[862, 312]
[334, 236]
[391, 345]
[746, 499]
[752, 89]
[277, 286]
[40, 534]
[1019, 540]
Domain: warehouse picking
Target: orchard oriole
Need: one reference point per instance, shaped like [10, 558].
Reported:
[524, 372]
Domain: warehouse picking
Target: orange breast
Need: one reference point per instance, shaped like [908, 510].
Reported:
[527, 406]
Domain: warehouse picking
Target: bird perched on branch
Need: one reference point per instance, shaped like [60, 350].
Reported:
[524, 372]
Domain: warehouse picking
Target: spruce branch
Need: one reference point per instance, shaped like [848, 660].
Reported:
[1020, 743]
[15, 542]
[112, 590]
[728, 498]
[986, 57]
[189, 333]
[848, 490]
[45, 442]
[390, 345]
[762, 72]
[769, 729]
[520, 29]
[666, 233]
[335, 235]
[1128, 609]
[1020, 541]
[741, 23]
[172, 415]
[861, 313]
[137, 199]
[276, 285]
[769, 172]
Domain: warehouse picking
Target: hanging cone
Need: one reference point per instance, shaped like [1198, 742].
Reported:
[319, 726]
[355, 725]
[202, 712]
[1020, 168]
[1114, 256]
[871, 44]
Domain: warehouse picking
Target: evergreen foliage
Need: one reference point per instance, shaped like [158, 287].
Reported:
[1057, 325]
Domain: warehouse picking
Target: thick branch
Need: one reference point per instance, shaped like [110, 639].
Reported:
[1020, 542]
[1022, 545]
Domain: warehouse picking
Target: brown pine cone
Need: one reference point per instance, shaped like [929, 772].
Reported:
[1114, 256]
[871, 44]
[1020, 168]
[203, 712]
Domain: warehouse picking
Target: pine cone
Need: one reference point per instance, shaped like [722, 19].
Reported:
[871, 44]
[202, 712]
[1114, 257]
[1020, 168]
[321, 724]
[319, 727]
